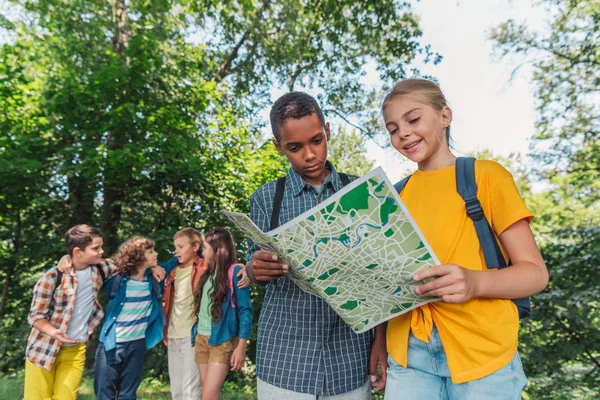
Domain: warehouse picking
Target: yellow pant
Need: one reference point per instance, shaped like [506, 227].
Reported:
[62, 382]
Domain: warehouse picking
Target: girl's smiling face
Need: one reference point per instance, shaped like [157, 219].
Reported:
[185, 250]
[418, 131]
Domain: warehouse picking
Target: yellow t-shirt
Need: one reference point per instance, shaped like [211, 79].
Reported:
[481, 335]
[182, 320]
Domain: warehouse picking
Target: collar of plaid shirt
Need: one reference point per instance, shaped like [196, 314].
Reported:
[295, 184]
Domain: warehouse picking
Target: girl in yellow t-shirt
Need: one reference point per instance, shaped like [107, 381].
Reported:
[464, 346]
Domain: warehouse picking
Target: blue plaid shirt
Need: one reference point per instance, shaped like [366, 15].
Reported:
[303, 345]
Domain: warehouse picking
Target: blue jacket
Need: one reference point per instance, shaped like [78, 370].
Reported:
[168, 267]
[154, 330]
[229, 326]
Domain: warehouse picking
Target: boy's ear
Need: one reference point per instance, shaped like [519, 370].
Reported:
[76, 252]
[278, 147]
[196, 248]
[327, 131]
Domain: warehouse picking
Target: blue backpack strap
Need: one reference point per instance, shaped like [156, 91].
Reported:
[156, 287]
[400, 185]
[115, 286]
[466, 186]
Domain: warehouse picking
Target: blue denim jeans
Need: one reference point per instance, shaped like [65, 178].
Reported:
[427, 377]
[118, 373]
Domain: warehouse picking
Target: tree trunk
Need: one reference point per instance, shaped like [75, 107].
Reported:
[113, 195]
[81, 200]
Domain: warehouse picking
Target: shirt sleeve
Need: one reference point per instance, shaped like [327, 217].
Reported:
[109, 268]
[169, 265]
[242, 297]
[42, 297]
[507, 206]
[259, 216]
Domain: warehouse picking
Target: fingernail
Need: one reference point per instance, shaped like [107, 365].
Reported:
[418, 290]
[416, 277]
[373, 378]
[286, 267]
[274, 258]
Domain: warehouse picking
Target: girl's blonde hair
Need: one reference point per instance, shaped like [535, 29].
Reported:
[132, 254]
[193, 235]
[428, 90]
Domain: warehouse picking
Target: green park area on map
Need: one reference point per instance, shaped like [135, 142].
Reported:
[358, 250]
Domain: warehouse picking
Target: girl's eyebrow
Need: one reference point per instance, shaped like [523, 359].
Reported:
[404, 115]
[408, 112]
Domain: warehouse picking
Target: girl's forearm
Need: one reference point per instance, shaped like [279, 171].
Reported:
[522, 279]
[527, 276]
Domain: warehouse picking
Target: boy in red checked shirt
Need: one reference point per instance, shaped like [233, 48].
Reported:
[64, 312]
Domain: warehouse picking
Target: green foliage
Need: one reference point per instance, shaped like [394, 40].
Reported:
[11, 387]
[560, 343]
[143, 117]
[566, 76]
[347, 152]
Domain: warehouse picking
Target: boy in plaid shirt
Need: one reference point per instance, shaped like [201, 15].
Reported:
[64, 312]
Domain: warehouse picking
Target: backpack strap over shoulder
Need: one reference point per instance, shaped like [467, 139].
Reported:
[466, 186]
[345, 178]
[115, 286]
[155, 287]
[101, 272]
[59, 276]
[277, 200]
[230, 273]
[399, 186]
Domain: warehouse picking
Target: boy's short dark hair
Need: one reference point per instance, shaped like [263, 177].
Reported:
[293, 105]
[80, 236]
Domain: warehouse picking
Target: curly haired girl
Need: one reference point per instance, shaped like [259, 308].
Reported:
[133, 323]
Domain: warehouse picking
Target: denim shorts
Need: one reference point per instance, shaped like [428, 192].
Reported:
[428, 377]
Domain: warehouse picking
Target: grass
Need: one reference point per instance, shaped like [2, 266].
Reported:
[11, 387]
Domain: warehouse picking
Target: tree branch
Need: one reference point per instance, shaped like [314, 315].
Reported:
[225, 68]
[370, 134]
[294, 76]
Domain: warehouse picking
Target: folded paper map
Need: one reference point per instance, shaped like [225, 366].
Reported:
[357, 250]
